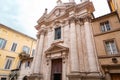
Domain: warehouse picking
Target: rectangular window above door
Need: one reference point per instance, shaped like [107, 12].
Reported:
[57, 33]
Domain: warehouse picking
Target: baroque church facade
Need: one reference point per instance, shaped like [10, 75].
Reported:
[65, 46]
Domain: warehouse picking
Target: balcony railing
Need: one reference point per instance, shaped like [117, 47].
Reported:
[24, 55]
[14, 74]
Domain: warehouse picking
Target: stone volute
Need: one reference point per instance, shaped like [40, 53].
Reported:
[42, 31]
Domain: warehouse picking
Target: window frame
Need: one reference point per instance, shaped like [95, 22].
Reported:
[3, 43]
[55, 33]
[25, 49]
[12, 49]
[103, 23]
[108, 40]
[8, 66]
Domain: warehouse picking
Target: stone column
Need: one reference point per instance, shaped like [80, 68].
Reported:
[36, 50]
[64, 68]
[73, 47]
[49, 37]
[107, 76]
[90, 46]
[80, 45]
[37, 62]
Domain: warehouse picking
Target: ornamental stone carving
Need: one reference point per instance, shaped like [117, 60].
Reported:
[56, 51]
[41, 31]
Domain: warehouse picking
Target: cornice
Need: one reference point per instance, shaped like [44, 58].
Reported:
[41, 31]
[80, 20]
[79, 11]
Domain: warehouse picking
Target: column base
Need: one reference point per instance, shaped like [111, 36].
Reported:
[35, 76]
[84, 76]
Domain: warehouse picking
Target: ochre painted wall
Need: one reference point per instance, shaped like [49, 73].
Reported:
[13, 36]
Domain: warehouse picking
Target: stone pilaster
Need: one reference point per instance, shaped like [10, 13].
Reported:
[107, 76]
[38, 57]
[49, 37]
[73, 47]
[80, 45]
[39, 54]
[90, 46]
[64, 63]
[34, 59]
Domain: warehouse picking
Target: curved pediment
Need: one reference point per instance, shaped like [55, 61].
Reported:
[55, 49]
[55, 13]
[65, 11]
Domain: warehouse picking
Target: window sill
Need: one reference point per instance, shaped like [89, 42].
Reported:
[109, 56]
[5, 69]
[57, 41]
[102, 33]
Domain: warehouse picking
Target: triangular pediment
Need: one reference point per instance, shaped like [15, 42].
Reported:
[56, 48]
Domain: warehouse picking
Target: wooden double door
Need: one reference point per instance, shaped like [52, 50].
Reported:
[115, 76]
[56, 69]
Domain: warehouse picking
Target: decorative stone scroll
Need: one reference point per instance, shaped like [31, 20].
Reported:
[87, 19]
[42, 31]
[78, 20]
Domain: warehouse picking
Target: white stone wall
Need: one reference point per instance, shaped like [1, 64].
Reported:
[76, 35]
[24, 71]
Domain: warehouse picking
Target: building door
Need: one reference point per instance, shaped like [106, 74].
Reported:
[115, 76]
[25, 78]
[3, 79]
[56, 69]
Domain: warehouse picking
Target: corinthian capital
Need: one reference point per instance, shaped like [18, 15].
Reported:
[80, 21]
[72, 19]
[87, 19]
[42, 30]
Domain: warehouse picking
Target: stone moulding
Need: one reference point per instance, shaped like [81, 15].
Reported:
[55, 48]
[80, 10]
[85, 75]
[56, 51]
[36, 76]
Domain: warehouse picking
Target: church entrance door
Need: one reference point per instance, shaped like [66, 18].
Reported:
[115, 76]
[56, 69]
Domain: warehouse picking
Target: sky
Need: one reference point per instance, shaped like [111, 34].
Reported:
[22, 15]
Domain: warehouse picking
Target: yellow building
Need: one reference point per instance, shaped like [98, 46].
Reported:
[114, 5]
[12, 43]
